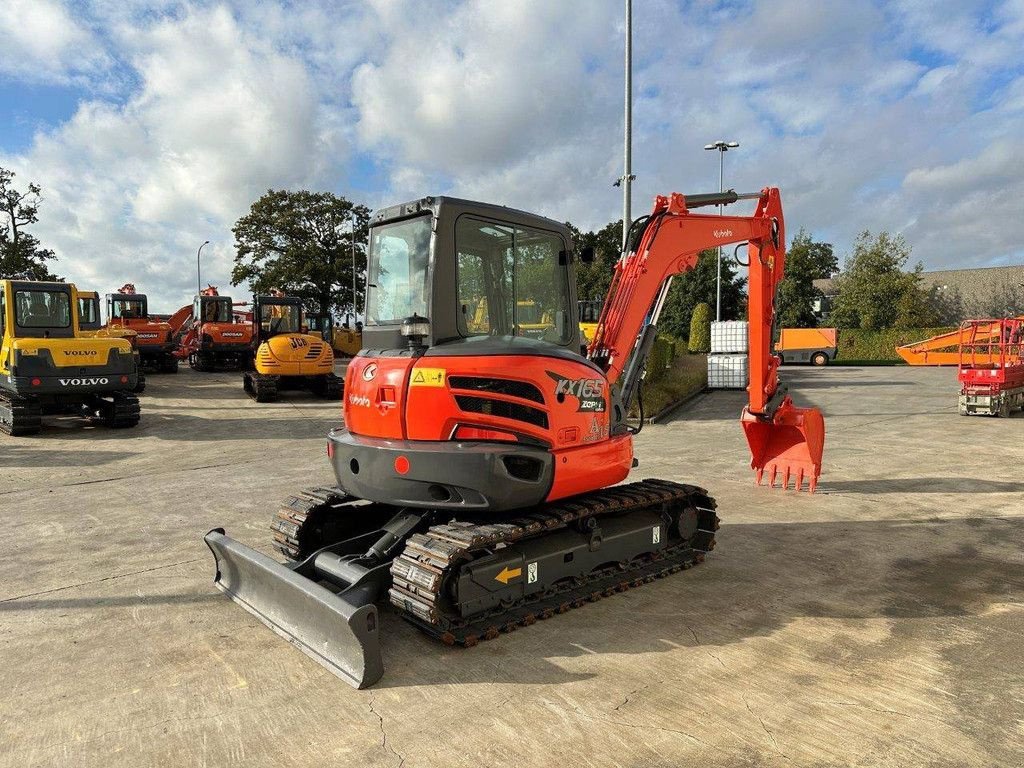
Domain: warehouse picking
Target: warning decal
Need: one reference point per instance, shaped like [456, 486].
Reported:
[427, 377]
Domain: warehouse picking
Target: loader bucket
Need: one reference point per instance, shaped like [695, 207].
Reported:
[326, 627]
[788, 446]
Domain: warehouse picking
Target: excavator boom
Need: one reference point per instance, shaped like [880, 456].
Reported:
[785, 441]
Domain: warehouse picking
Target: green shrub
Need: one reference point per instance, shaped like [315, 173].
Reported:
[663, 353]
[857, 344]
[700, 329]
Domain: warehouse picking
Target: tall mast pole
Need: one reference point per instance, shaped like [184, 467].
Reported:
[627, 171]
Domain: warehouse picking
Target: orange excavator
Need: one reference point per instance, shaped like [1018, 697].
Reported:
[212, 338]
[154, 338]
[944, 348]
[478, 470]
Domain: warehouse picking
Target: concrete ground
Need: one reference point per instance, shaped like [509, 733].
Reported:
[878, 622]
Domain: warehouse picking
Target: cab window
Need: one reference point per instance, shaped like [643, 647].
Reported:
[512, 281]
[42, 309]
[128, 308]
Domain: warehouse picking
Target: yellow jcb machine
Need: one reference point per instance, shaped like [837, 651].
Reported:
[48, 367]
[90, 326]
[287, 358]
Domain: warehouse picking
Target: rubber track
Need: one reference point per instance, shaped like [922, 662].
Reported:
[300, 510]
[125, 411]
[264, 387]
[431, 560]
[21, 415]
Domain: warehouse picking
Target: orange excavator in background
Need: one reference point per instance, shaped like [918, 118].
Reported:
[212, 337]
[478, 469]
[154, 338]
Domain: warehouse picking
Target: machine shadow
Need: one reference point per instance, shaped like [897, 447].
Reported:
[16, 456]
[127, 601]
[761, 578]
[924, 485]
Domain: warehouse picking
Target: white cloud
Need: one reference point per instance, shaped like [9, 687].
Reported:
[41, 42]
[219, 116]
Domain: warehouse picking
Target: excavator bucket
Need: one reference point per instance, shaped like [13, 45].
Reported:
[327, 627]
[789, 446]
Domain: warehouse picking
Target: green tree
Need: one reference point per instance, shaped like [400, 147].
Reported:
[699, 286]
[875, 291]
[592, 280]
[302, 242]
[21, 257]
[700, 329]
[806, 261]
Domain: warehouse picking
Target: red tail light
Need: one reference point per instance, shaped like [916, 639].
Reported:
[479, 433]
[330, 449]
[36, 382]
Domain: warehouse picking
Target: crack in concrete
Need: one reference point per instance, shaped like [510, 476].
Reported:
[698, 642]
[124, 477]
[99, 581]
[764, 727]
[384, 736]
[880, 710]
[610, 721]
[629, 695]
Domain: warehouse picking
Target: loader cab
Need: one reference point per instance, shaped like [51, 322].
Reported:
[486, 278]
[127, 306]
[321, 326]
[37, 309]
[213, 309]
[89, 311]
[273, 315]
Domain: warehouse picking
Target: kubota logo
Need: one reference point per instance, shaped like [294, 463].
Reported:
[369, 372]
[723, 233]
[359, 400]
[79, 352]
[82, 382]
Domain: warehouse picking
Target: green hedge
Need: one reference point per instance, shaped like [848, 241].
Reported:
[855, 344]
[663, 353]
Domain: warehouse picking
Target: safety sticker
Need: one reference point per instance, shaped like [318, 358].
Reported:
[428, 377]
[531, 573]
[656, 534]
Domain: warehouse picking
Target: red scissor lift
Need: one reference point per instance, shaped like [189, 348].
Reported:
[991, 370]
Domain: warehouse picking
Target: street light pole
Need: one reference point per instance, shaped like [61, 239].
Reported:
[353, 244]
[199, 277]
[722, 147]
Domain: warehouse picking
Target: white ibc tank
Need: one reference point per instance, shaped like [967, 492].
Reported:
[729, 337]
[727, 371]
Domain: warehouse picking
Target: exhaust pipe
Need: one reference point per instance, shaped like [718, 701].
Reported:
[338, 631]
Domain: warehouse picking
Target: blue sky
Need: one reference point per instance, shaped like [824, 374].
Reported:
[151, 126]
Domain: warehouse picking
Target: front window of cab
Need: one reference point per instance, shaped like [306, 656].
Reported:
[89, 313]
[399, 258]
[217, 310]
[42, 309]
[128, 308]
[280, 318]
[512, 281]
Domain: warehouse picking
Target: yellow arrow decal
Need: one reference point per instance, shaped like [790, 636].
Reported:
[507, 574]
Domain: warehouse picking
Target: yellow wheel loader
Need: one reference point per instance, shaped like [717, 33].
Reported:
[48, 367]
[287, 358]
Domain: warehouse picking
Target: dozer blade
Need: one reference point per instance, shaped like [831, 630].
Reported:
[326, 627]
[788, 446]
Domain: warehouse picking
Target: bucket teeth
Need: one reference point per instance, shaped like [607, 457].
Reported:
[798, 474]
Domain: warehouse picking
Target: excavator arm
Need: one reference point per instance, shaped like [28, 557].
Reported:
[784, 440]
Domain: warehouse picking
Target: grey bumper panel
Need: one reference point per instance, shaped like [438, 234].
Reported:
[446, 474]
